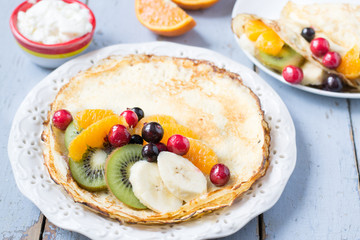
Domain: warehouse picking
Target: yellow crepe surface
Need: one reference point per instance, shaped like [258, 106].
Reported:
[211, 101]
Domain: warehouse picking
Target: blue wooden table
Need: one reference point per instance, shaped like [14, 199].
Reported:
[321, 199]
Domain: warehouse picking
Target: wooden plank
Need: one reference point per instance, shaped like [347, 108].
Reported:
[321, 200]
[354, 108]
[20, 219]
[52, 232]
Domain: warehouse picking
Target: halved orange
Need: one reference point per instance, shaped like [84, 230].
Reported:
[163, 17]
[254, 28]
[93, 136]
[85, 118]
[350, 63]
[195, 4]
[269, 42]
[201, 155]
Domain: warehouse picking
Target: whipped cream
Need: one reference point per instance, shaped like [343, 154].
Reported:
[54, 21]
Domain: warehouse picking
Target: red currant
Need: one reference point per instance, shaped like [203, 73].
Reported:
[130, 117]
[292, 74]
[61, 119]
[319, 46]
[331, 60]
[119, 136]
[219, 174]
[178, 144]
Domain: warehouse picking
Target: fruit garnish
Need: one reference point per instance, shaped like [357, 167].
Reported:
[61, 119]
[93, 136]
[350, 63]
[331, 60]
[319, 46]
[117, 172]
[178, 144]
[202, 156]
[287, 56]
[269, 42]
[139, 112]
[163, 17]
[219, 175]
[150, 152]
[195, 4]
[152, 132]
[161, 147]
[333, 83]
[254, 28]
[293, 74]
[161, 119]
[119, 135]
[89, 173]
[70, 133]
[136, 139]
[85, 118]
[308, 33]
[180, 176]
[130, 117]
[149, 188]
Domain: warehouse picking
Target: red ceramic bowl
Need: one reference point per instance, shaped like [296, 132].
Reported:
[52, 55]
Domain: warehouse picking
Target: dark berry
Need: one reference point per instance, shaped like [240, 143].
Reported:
[136, 139]
[152, 132]
[139, 112]
[333, 83]
[308, 33]
[61, 119]
[219, 174]
[161, 147]
[178, 144]
[150, 152]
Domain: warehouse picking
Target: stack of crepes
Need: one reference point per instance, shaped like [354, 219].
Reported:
[338, 23]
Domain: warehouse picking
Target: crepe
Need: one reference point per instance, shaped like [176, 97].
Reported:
[213, 102]
[338, 23]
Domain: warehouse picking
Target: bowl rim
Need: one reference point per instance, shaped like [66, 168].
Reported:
[36, 45]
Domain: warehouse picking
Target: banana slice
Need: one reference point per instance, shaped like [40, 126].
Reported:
[150, 189]
[180, 176]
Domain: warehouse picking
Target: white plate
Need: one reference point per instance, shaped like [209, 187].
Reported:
[271, 9]
[33, 180]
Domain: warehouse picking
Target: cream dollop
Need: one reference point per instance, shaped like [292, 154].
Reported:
[54, 21]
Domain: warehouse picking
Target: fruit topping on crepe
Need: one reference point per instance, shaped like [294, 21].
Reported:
[104, 155]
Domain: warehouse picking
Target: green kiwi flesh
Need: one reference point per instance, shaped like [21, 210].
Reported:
[287, 56]
[117, 172]
[89, 172]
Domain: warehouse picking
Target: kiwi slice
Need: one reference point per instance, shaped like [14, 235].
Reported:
[117, 173]
[89, 172]
[287, 56]
[70, 133]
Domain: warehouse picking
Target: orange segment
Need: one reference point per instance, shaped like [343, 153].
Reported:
[350, 63]
[161, 119]
[87, 117]
[202, 156]
[163, 17]
[174, 128]
[269, 42]
[195, 4]
[93, 136]
[254, 28]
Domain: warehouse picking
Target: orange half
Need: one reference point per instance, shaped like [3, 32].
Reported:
[195, 4]
[163, 17]
[350, 63]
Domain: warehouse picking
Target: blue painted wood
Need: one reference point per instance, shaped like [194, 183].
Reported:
[321, 200]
